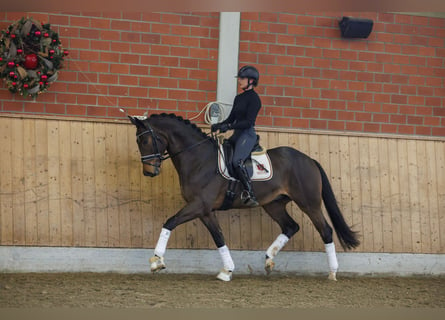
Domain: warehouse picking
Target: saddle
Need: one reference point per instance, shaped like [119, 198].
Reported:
[227, 147]
[258, 166]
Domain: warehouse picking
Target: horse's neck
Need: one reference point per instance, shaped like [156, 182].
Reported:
[189, 150]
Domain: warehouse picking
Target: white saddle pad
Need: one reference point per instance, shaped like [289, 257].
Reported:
[261, 165]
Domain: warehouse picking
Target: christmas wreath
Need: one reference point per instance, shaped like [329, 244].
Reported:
[31, 55]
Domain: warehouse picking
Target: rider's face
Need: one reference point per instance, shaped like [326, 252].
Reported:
[243, 83]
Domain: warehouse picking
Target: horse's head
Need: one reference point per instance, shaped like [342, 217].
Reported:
[150, 146]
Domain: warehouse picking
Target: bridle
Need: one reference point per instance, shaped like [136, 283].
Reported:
[157, 155]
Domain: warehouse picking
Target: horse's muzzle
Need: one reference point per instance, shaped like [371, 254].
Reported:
[150, 174]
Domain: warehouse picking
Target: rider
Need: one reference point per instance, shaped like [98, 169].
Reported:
[242, 119]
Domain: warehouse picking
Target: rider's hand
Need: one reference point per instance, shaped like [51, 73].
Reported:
[215, 127]
[224, 127]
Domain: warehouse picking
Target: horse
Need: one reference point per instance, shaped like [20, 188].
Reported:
[296, 177]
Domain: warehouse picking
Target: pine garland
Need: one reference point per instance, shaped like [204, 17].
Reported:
[31, 55]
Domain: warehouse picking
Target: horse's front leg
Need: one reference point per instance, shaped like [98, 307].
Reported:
[211, 222]
[189, 212]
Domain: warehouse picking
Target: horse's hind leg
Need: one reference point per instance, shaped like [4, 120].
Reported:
[277, 211]
[325, 231]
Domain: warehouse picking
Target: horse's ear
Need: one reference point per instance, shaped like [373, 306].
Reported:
[137, 122]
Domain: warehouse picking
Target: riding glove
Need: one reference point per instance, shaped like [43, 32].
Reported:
[224, 127]
[215, 127]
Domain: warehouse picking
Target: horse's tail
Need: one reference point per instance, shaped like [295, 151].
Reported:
[347, 237]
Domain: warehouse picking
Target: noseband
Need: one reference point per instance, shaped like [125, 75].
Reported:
[157, 154]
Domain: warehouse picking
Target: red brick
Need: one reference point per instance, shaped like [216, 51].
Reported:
[107, 101]
[282, 122]
[354, 126]
[125, 101]
[389, 128]
[371, 127]
[402, 129]
[96, 111]
[77, 110]
[379, 117]
[55, 108]
[318, 124]
[440, 131]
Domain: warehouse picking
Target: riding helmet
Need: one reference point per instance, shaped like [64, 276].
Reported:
[249, 72]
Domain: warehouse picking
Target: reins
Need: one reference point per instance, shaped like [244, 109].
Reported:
[166, 155]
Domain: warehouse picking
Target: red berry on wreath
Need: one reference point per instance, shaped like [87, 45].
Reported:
[37, 33]
[44, 77]
[31, 61]
[12, 36]
[19, 51]
[11, 64]
[11, 74]
[25, 86]
[46, 34]
[65, 52]
[14, 83]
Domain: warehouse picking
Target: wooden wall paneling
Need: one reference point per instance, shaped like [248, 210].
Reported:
[365, 188]
[121, 155]
[343, 193]
[424, 219]
[65, 182]
[6, 189]
[385, 194]
[74, 183]
[414, 184]
[139, 206]
[395, 211]
[29, 174]
[432, 196]
[376, 174]
[404, 182]
[111, 191]
[89, 184]
[100, 174]
[18, 183]
[356, 194]
[335, 172]
[42, 185]
[440, 165]
[234, 229]
[77, 183]
[54, 183]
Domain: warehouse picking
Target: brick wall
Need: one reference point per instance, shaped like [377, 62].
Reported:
[165, 61]
[392, 82]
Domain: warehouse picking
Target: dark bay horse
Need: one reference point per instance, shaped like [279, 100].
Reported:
[296, 177]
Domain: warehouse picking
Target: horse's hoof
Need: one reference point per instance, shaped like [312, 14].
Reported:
[332, 276]
[156, 264]
[224, 275]
[269, 265]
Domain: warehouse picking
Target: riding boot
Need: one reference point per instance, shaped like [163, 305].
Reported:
[247, 195]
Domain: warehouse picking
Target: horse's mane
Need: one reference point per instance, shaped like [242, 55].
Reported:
[180, 119]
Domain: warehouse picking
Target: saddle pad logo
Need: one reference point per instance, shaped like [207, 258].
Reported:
[261, 165]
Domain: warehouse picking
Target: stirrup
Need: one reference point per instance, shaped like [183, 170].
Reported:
[248, 199]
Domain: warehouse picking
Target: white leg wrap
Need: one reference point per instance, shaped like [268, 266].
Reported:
[162, 242]
[226, 258]
[332, 257]
[277, 245]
